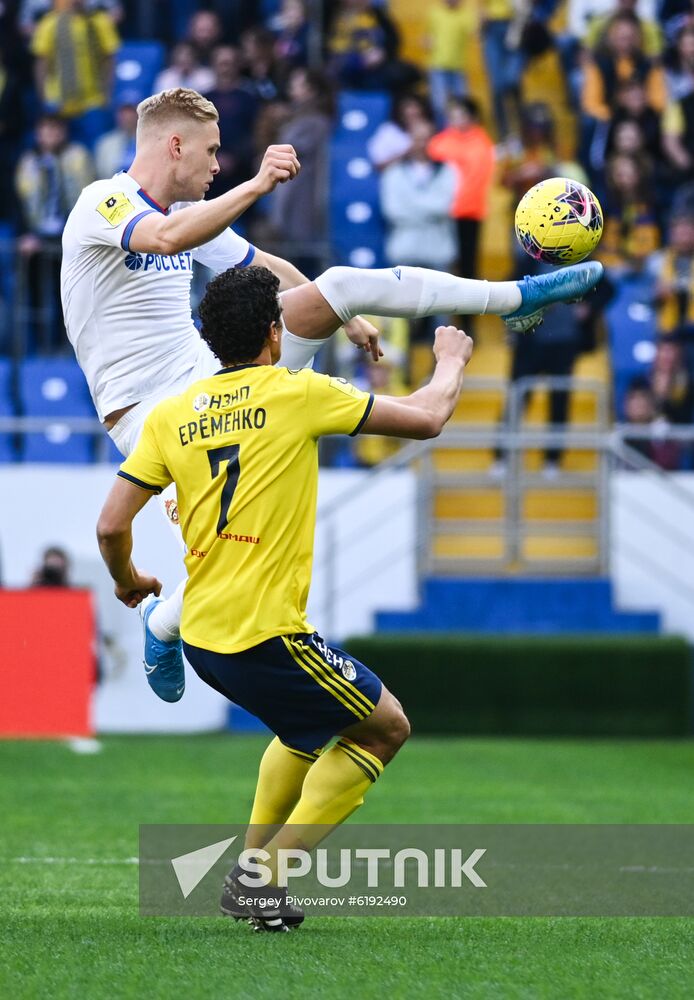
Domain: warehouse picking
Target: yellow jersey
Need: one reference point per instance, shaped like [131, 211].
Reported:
[89, 39]
[242, 448]
[451, 30]
[498, 10]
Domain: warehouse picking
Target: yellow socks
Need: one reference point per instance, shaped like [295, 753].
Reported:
[336, 785]
[333, 788]
[280, 779]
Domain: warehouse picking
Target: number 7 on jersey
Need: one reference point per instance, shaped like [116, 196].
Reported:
[230, 454]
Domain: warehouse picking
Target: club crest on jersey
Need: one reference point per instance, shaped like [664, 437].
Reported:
[171, 507]
[201, 402]
[349, 671]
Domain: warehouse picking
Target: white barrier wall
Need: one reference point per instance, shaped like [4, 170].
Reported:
[652, 546]
[365, 561]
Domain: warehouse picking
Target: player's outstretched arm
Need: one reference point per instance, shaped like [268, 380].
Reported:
[290, 276]
[425, 412]
[114, 534]
[198, 224]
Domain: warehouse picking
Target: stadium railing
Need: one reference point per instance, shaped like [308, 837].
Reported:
[615, 457]
[613, 452]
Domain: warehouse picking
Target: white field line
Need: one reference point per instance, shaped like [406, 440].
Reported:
[631, 869]
[84, 745]
[69, 861]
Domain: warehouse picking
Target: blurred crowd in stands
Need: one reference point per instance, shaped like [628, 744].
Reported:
[275, 70]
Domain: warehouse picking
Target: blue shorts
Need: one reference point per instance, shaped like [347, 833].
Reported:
[305, 691]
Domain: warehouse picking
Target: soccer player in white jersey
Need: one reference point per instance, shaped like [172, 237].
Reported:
[128, 248]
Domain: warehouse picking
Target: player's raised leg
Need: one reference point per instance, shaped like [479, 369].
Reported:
[314, 310]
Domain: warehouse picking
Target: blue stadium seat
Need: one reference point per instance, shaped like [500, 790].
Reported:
[7, 409]
[353, 176]
[55, 387]
[359, 249]
[513, 606]
[631, 325]
[360, 113]
[7, 284]
[137, 65]
[355, 216]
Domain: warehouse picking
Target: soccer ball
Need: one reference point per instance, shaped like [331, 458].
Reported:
[559, 221]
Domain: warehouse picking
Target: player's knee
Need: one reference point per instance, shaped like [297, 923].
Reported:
[336, 287]
[400, 729]
[394, 732]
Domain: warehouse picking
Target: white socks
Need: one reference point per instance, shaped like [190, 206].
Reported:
[298, 352]
[165, 620]
[413, 291]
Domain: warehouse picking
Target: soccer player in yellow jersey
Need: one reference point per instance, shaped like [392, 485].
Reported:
[242, 448]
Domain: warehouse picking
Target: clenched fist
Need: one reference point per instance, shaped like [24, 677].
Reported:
[280, 164]
[133, 591]
[450, 342]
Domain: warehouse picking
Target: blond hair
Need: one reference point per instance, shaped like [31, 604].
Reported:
[169, 105]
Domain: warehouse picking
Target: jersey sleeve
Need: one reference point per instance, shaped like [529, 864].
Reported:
[109, 40]
[43, 40]
[335, 406]
[145, 466]
[108, 216]
[225, 251]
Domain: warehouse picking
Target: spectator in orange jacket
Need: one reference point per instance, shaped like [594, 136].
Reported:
[468, 147]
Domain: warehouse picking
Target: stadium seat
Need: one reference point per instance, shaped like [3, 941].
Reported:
[353, 176]
[7, 409]
[358, 249]
[55, 388]
[504, 606]
[630, 320]
[7, 284]
[355, 216]
[360, 113]
[137, 65]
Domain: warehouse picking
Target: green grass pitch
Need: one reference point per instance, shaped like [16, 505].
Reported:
[70, 927]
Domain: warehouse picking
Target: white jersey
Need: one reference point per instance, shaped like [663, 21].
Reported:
[127, 314]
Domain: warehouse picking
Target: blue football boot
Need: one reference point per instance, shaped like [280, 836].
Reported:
[163, 660]
[568, 284]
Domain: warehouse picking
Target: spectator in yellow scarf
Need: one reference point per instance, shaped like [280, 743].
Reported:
[74, 49]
